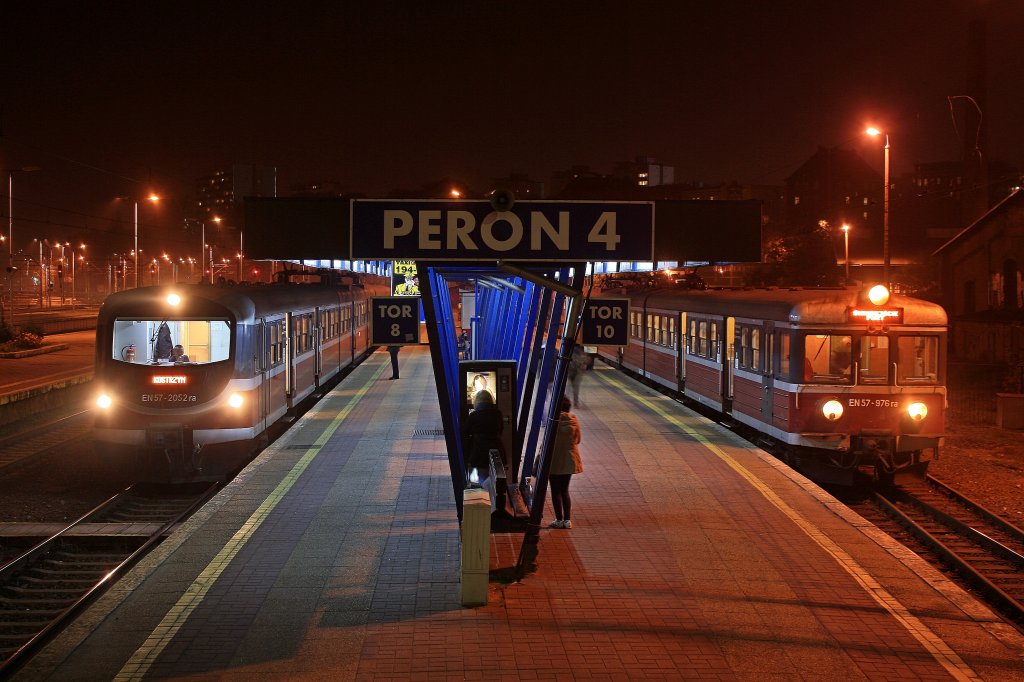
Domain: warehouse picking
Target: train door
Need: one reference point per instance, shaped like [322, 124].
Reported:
[681, 352]
[315, 332]
[353, 326]
[289, 363]
[767, 351]
[259, 347]
[726, 357]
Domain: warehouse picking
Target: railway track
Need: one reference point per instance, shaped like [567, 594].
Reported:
[42, 590]
[30, 446]
[982, 551]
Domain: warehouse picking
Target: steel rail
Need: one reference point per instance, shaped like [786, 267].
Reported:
[1010, 606]
[29, 648]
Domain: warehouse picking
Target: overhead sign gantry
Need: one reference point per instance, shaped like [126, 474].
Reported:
[459, 231]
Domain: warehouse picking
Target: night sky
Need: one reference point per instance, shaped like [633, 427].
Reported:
[114, 98]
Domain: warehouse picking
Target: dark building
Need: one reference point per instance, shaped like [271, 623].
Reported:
[222, 194]
[327, 188]
[645, 171]
[982, 286]
[522, 186]
[838, 187]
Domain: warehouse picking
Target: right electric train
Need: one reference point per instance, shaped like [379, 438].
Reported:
[842, 383]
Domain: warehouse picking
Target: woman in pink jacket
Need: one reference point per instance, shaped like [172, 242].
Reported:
[565, 461]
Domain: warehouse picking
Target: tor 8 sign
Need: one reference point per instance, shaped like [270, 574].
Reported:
[394, 320]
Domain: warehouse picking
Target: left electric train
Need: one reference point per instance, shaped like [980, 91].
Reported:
[191, 379]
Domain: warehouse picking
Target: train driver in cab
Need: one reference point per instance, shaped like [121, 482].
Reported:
[178, 356]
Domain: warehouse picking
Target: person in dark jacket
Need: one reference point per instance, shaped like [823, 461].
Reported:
[164, 344]
[565, 461]
[393, 350]
[481, 433]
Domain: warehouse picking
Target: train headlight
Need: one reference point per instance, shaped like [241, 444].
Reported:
[832, 410]
[917, 411]
[878, 294]
[173, 299]
[236, 400]
[103, 401]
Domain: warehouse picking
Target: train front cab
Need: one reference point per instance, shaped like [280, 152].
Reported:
[158, 414]
[843, 399]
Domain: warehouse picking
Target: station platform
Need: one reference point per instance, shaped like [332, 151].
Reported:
[72, 363]
[693, 555]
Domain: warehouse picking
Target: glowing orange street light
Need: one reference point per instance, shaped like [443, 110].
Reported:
[874, 132]
[153, 197]
[846, 244]
[456, 194]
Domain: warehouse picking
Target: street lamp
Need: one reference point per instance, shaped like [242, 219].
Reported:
[846, 245]
[10, 232]
[60, 270]
[202, 253]
[241, 250]
[42, 272]
[151, 197]
[885, 208]
[73, 301]
[217, 220]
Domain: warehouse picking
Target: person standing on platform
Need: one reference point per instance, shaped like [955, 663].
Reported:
[565, 461]
[480, 434]
[578, 364]
[393, 350]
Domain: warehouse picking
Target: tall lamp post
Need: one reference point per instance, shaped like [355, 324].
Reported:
[73, 258]
[885, 208]
[151, 197]
[202, 255]
[10, 234]
[846, 247]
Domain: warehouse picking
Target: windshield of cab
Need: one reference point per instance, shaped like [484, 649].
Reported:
[171, 341]
[827, 358]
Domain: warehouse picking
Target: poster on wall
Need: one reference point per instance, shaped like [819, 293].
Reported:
[404, 279]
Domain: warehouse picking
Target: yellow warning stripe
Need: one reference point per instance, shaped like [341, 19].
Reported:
[938, 648]
[139, 664]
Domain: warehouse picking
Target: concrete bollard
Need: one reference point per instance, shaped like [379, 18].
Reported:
[476, 545]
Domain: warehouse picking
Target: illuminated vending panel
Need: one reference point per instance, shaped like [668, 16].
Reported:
[497, 377]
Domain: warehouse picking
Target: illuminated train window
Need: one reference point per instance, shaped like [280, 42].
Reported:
[873, 361]
[918, 359]
[827, 358]
[154, 341]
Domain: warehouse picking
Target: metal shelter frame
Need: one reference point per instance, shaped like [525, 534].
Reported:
[531, 316]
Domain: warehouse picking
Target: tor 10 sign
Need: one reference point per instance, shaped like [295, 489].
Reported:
[606, 322]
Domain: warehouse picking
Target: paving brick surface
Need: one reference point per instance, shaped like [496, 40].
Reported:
[693, 556]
